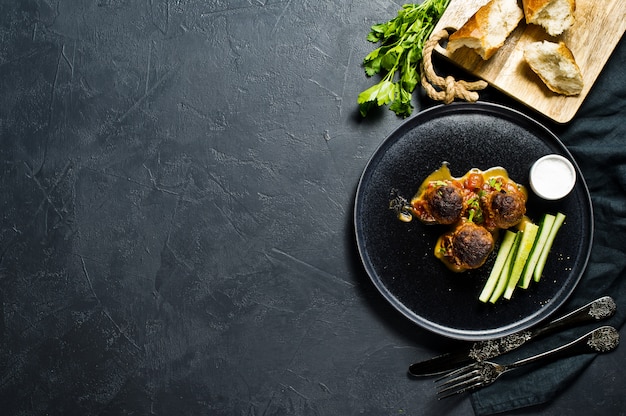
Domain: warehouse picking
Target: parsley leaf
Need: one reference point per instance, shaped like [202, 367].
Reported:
[397, 59]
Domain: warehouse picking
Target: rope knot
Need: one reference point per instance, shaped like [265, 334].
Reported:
[445, 89]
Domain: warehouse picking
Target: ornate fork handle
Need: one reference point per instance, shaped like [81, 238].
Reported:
[600, 340]
[601, 308]
[483, 373]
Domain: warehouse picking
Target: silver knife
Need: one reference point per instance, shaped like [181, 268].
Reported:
[597, 310]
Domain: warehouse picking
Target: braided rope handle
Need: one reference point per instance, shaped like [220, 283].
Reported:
[445, 89]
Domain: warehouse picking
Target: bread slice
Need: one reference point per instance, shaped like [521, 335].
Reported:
[486, 31]
[555, 65]
[555, 16]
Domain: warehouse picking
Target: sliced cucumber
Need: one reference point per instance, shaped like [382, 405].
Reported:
[506, 270]
[558, 221]
[540, 243]
[498, 266]
[521, 257]
[525, 247]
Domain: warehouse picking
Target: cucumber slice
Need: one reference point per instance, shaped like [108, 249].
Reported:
[540, 243]
[506, 270]
[529, 233]
[492, 280]
[558, 221]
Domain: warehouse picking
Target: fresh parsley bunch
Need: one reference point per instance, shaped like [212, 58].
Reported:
[402, 41]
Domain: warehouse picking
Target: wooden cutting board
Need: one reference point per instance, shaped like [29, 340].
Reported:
[598, 28]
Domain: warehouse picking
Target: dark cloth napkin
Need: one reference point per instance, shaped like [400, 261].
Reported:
[597, 139]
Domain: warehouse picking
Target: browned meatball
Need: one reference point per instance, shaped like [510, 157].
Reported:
[504, 209]
[440, 204]
[446, 204]
[469, 246]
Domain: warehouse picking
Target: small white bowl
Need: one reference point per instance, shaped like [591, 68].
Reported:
[552, 177]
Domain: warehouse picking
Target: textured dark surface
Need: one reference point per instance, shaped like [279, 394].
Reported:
[176, 234]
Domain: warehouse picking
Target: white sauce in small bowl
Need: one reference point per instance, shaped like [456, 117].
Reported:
[552, 177]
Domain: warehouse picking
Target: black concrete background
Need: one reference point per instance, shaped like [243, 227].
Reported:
[177, 186]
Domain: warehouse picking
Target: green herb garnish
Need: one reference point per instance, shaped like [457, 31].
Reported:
[402, 41]
[495, 184]
[475, 212]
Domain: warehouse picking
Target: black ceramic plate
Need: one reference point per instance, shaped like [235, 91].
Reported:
[398, 256]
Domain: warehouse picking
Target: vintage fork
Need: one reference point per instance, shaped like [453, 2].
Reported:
[483, 373]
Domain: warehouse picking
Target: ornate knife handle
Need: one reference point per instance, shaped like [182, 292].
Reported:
[599, 309]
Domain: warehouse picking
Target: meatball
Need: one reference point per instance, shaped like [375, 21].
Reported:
[440, 204]
[504, 209]
[446, 204]
[469, 246]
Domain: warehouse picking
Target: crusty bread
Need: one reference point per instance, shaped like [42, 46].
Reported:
[555, 16]
[486, 31]
[555, 65]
